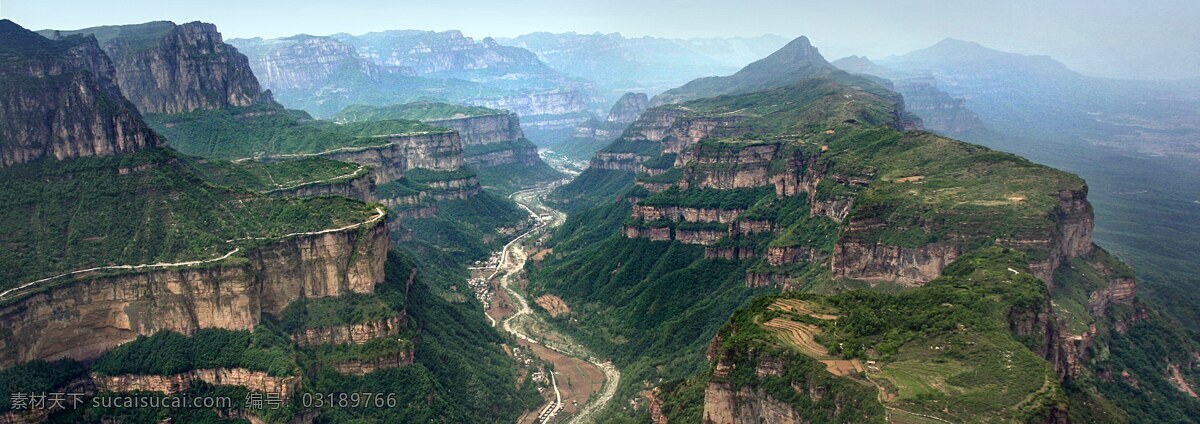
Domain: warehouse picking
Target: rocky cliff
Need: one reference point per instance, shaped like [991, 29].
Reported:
[82, 319]
[429, 52]
[548, 103]
[167, 68]
[361, 188]
[628, 108]
[306, 62]
[364, 367]
[396, 154]
[352, 333]
[178, 383]
[62, 100]
[483, 129]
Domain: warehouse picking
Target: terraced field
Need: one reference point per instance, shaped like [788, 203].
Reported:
[798, 335]
[801, 307]
[802, 336]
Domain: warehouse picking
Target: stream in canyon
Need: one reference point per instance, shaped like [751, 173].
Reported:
[527, 326]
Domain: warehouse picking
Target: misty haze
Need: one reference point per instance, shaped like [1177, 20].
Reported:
[599, 212]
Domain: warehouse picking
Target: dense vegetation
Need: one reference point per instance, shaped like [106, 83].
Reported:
[266, 177]
[325, 312]
[416, 111]
[466, 229]
[509, 178]
[268, 129]
[265, 349]
[138, 208]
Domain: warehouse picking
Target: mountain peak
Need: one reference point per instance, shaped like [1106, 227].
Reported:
[797, 52]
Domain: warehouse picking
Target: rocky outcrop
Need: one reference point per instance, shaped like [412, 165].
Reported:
[1072, 237]
[761, 279]
[654, 234]
[939, 111]
[619, 161]
[361, 188]
[524, 153]
[701, 237]
[396, 154]
[351, 333]
[880, 262]
[1119, 290]
[554, 102]
[729, 253]
[743, 227]
[784, 255]
[684, 214]
[62, 101]
[305, 62]
[836, 208]
[483, 129]
[725, 405]
[82, 319]
[723, 168]
[257, 381]
[459, 188]
[166, 68]
[628, 108]
[429, 52]
[364, 367]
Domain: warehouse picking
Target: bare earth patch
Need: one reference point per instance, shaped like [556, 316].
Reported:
[553, 304]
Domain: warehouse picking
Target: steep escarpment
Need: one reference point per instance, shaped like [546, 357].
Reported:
[939, 111]
[62, 100]
[83, 318]
[166, 68]
[493, 142]
[395, 154]
[628, 108]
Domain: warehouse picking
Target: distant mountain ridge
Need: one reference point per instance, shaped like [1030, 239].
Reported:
[796, 61]
[651, 64]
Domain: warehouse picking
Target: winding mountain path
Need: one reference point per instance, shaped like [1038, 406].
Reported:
[520, 322]
[379, 214]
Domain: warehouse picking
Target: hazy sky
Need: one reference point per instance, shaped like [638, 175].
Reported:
[1130, 38]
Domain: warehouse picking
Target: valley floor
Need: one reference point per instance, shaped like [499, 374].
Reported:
[583, 384]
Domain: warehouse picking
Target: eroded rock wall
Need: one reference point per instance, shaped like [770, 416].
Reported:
[82, 319]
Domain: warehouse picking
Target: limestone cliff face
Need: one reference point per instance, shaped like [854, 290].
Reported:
[180, 68]
[728, 403]
[364, 367]
[556, 102]
[428, 52]
[484, 129]
[619, 161]
[748, 167]
[177, 383]
[82, 319]
[361, 188]
[881, 262]
[1072, 237]
[939, 111]
[460, 188]
[628, 108]
[684, 214]
[654, 234]
[725, 405]
[439, 151]
[62, 101]
[350, 334]
[307, 62]
[1119, 290]
[729, 253]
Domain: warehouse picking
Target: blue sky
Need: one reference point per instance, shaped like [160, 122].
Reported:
[1147, 39]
